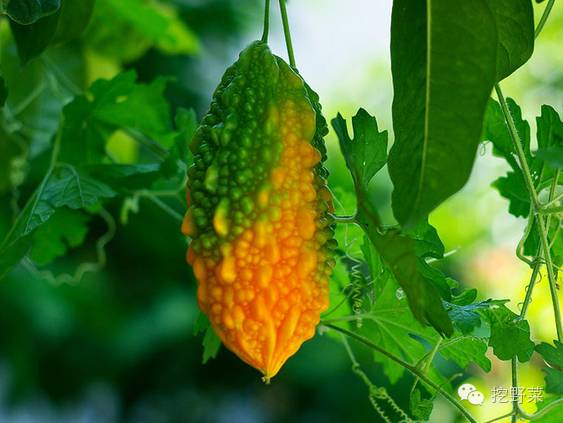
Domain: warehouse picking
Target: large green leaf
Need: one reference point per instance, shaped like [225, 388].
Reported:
[515, 28]
[445, 58]
[26, 12]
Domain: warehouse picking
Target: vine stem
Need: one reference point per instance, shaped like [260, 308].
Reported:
[412, 369]
[287, 34]
[536, 206]
[544, 17]
[266, 21]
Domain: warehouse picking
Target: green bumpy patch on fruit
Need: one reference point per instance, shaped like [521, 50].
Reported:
[259, 210]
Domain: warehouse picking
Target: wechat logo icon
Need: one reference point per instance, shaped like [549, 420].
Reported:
[468, 392]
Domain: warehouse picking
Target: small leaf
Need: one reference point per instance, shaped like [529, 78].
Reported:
[367, 153]
[211, 345]
[513, 188]
[211, 342]
[421, 408]
[510, 334]
[553, 356]
[66, 228]
[26, 12]
[496, 131]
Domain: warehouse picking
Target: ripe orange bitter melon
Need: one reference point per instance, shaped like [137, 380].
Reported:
[259, 211]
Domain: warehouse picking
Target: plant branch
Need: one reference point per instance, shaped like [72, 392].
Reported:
[287, 34]
[412, 369]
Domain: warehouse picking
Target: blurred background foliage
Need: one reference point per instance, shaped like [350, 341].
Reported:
[117, 345]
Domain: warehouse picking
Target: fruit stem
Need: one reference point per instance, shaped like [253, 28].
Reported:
[266, 21]
[287, 34]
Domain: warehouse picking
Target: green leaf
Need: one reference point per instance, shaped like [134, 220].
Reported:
[421, 408]
[365, 156]
[65, 229]
[211, 345]
[367, 153]
[550, 128]
[32, 40]
[552, 156]
[513, 188]
[26, 12]
[74, 18]
[466, 317]
[211, 342]
[553, 356]
[399, 253]
[65, 186]
[443, 60]
[390, 324]
[515, 28]
[153, 24]
[428, 243]
[113, 104]
[510, 334]
[465, 350]
[496, 131]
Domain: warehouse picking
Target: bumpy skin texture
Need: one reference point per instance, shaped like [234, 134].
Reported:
[262, 237]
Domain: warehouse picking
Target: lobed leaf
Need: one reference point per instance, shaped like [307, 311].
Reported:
[553, 356]
[65, 229]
